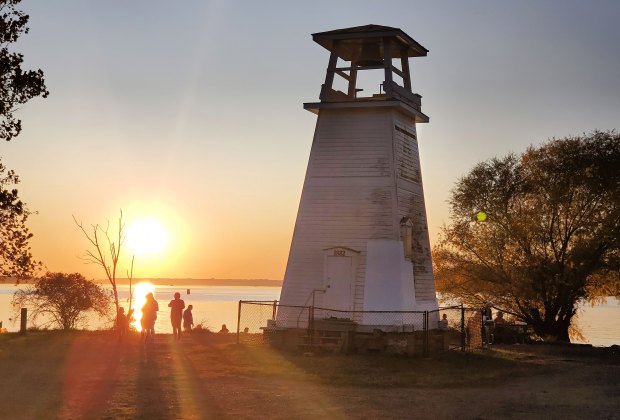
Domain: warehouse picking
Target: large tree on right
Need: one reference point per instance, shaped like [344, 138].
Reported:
[536, 234]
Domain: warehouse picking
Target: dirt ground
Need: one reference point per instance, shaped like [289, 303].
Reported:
[208, 376]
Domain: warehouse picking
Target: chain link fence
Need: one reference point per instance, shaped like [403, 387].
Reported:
[309, 328]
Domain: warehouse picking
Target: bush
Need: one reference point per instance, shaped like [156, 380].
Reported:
[62, 299]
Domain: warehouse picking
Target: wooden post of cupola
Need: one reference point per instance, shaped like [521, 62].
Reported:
[361, 236]
[404, 63]
[387, 60]
[331, 72]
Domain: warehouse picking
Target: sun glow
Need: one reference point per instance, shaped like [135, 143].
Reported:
[147, 237]
[139, 293]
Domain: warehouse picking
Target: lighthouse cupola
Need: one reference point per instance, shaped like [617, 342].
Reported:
[369, 48]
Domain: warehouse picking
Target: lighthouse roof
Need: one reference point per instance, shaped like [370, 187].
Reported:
[350, 41]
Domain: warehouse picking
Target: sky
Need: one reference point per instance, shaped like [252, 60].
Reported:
[188, 116]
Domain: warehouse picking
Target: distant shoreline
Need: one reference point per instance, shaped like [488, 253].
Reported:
[182, 282]
[207, 282]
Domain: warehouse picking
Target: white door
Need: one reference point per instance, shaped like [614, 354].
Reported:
[339, 287]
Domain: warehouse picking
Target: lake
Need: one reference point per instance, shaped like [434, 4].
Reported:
[217, 305]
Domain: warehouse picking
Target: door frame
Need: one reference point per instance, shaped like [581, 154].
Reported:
[342, 251]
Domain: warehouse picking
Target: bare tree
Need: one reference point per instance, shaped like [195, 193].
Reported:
[105, 250]
[130, 278]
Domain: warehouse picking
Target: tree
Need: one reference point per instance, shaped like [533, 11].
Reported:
[64, 299]
[15, 257]
[107, 258]
[17, 86]
[551, 237]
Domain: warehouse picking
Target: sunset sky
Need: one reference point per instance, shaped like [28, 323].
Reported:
[188, 115]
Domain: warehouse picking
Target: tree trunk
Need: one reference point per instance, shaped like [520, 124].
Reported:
[553, 331]
[116, 304]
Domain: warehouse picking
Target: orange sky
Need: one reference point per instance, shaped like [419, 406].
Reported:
[193, 115]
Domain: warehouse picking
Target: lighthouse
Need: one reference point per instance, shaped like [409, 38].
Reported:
[361, 239]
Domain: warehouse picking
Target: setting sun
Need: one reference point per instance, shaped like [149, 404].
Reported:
[147, 237]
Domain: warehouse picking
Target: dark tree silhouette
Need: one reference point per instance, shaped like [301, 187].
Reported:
[62, 299]
[17, 86]
[15, 257]
[551, 236]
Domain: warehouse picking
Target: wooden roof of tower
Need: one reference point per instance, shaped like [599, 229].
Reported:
[351, 39]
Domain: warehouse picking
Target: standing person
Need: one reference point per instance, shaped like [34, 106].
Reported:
[122, 323]
[176, 314]
[130, 320]
[149, 316]
[143, 321]
[188, 318]
[443, 323]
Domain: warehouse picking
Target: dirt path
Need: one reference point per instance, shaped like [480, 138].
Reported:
[213, 378]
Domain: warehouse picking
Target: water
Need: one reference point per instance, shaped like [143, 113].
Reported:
[213, 305]
[600, 324]
[217, 305]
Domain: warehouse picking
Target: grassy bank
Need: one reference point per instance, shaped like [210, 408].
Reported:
[93, 375]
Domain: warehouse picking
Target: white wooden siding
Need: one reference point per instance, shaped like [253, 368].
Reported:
[363, 176]
[410, 195]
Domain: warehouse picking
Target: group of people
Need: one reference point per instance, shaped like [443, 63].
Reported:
[178, 315]
[481, 328]
[490, 326]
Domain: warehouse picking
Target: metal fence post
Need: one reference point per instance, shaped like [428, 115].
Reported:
[238, 320]
[275, 307]
[462, 327]
[311, 327]
[24, 318]
[425, 324]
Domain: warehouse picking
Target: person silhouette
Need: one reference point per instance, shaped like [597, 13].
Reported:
[176, 315]
[224, 330]
[443, 323]
[499, 318]
[188, 318]
[122, 323]
[130, 319]
[149, 316]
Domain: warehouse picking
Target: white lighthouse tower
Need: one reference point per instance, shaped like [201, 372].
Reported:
[361, 238]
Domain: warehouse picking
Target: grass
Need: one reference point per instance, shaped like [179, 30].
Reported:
[92, 374]
[451, 369]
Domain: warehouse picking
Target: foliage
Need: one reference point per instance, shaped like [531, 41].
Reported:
[17, 86]
[552, 234]
[15, 257]
[201, 327]
[63, 299]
